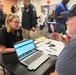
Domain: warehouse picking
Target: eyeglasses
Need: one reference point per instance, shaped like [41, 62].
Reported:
[16, 22]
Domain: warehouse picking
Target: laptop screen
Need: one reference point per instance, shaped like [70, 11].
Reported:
[24, 48]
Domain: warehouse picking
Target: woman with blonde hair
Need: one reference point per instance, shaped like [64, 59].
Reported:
[10, 34]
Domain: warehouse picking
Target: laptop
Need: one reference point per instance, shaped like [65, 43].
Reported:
[28, 55]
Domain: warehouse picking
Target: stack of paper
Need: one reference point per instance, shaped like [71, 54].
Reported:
[43, 44]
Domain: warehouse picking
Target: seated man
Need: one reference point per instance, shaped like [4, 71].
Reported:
[66, 62]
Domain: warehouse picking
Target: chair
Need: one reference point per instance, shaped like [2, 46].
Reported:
[4, 66]
[3, 70]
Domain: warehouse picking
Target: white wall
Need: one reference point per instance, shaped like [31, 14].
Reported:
[20, 3]
[39, 3]
[72, 2]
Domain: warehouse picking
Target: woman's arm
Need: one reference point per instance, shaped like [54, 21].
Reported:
[3, 49]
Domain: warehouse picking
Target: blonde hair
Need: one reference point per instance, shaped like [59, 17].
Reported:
[9, 19]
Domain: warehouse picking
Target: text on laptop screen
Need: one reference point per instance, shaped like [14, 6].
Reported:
[25, 48]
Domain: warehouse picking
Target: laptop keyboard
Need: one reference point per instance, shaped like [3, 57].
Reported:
[34, 65]
[32, 58]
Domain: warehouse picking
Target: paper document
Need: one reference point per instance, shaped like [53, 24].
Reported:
[58, 46]
[49, 46]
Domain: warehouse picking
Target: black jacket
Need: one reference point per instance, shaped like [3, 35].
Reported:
[29, 17]
[2, 18]
[50, 18]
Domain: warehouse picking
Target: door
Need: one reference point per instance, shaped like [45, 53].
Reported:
[46, 7]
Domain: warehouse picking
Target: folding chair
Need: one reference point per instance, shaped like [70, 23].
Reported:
[1, 64]
[5, 67]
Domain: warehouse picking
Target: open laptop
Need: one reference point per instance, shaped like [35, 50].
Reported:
[28, 55]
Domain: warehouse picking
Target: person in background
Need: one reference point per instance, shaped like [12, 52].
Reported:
[51, 21]
[2, 15]
[66, 61]
[42, 19]
[15, 10]
[61, 22]
[29, 19]
[50, 17]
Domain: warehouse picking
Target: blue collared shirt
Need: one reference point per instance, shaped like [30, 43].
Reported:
[61, 7]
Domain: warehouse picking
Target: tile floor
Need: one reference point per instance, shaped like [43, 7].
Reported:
[44, 32]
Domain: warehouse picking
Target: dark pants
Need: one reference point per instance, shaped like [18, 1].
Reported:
[61, 28]
[42, 26]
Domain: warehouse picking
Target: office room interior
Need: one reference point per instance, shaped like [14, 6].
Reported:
[37, 3]
[48, 5]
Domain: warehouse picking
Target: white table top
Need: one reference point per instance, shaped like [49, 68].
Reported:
[44, 45]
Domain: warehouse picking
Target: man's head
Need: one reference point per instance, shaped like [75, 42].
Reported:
[26, 2]
[43, 11]
[71, 22]
[1, 6]
[65, 1]
[14, 9]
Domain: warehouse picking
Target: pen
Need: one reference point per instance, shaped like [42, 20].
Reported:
[48, 50]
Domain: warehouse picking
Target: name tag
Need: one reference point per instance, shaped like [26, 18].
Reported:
[27, 10]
